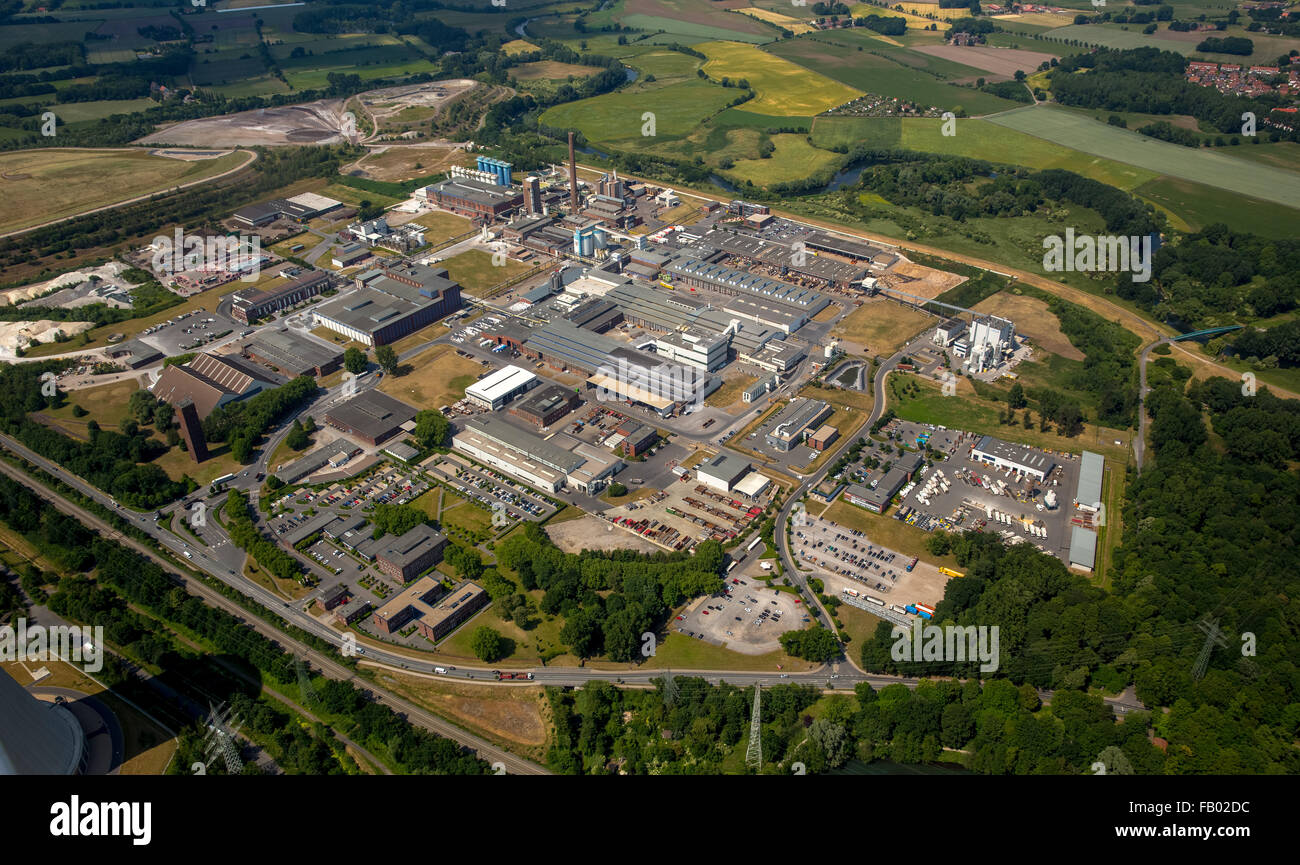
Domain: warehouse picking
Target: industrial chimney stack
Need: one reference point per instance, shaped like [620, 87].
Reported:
[573, 177]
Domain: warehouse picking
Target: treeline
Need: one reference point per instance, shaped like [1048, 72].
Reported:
[1148, 81]
[883, 25]
[243, 532]
[1108, 372]
[1013, 90]
[32, 55]
[1207, 530]
[1166, 131]
[1217, 272]
[1270, 346]
[243, 422]
[641, 588]
[109, 460]
[1227, 45]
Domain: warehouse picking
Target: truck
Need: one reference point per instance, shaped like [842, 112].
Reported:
[876, 601]
[852, 593]
[219, 484]
[925, 611]
[502, 676]
[912, 563]
[951, 573]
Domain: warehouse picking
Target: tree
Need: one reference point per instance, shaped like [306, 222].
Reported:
[617, 490]
[1016, 398]
[241, 449]
[432, 430]
[297, 438]
[355, 361]
[386, 358]
[163, 415]
[141, 405]
[833, 740]
[486, 644]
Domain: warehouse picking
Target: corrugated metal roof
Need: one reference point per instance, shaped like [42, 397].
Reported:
[1083, 547]
[1090, 471]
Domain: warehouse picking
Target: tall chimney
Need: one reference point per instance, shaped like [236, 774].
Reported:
[573, 177]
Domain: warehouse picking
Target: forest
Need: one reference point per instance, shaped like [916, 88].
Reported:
[1208, 532]
[641, 588]
[1148, 81]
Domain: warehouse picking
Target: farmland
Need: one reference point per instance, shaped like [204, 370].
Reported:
[43, 185]
[793, 159]
[889, 71]
[1197, 165]
[783, 87]
[617, 117]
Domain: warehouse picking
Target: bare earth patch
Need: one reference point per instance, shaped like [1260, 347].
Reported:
[930, 282]
[591, 532]
[1034, 320]
[999, 61]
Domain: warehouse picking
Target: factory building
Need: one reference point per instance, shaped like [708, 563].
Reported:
[501, 171]
[722, 472]
[209, 381]
[991, 340]
[876, 500]
[792, 423]
[249, 306]
[474, 198]
[395, 301]
[1017, 458]
[501, 387]
[550, 464]
[371, 416]
[293, 354]
[546, 405]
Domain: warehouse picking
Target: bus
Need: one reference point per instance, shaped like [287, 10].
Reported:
[219, 484]
[950, 572]
[730, 566]
[876, 601]
[755, 542]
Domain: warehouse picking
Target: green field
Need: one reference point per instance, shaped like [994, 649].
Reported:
[782, 87]
[692, 30]
[1195, 164]
[41, 185]
[615, 118]
[794, 159]
[889, 71]
[1196, 205]
[1113, 37]
[979, 139]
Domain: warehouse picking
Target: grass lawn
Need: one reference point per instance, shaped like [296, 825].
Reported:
[41, 185]
[678, 652]
[979, 139]
[105, 404]
[882, 326]
[617, 118]
[966, 411]
[783, 88]
[442, 226]
[1192, 206]
[730, 391]
[336, 337]
[512, 718]
[476, 273]
[440, 378]
[849, 423]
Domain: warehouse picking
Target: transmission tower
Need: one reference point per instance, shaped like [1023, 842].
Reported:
[1213, 637]
[754, 753]
[670, 688]
[220, 739]
[306, 686]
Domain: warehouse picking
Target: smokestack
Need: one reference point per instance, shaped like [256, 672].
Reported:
[573, 177]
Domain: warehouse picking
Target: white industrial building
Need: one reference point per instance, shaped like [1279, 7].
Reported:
[722, 472]
[1017, 458]
[549, 464]
[500, 387]
[948, 332]
[695, 347]
[992, 339]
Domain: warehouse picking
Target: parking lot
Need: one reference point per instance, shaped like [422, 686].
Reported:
[490, 487]
[687, 512]
[961, 494]
[745, 616]
[845, 558]
[189, 331]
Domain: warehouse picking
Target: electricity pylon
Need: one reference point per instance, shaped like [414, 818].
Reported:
[1213, 637]
[754, 753]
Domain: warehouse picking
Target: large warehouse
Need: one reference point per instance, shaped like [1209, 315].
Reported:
[394, 302]
[499, 388]
[293, 354]
[549, 464]
[791, 424]
[1017, 458]
[723, 471]
[371, 416]
[253, 304]
[210, 380]
[474, 198]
